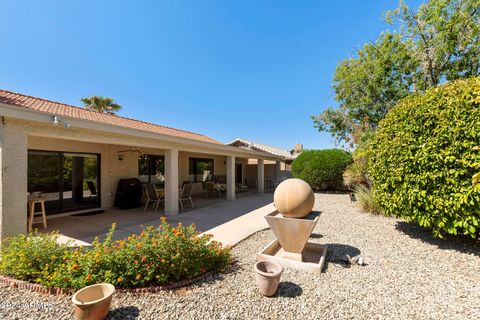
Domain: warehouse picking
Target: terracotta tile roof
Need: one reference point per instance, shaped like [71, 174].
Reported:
[247, 144]
[65, 110]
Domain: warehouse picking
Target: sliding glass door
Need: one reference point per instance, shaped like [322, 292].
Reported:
[68, 181]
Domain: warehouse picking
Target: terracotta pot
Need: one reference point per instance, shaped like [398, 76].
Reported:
[93, 302]
[294, 198]
[268, 275]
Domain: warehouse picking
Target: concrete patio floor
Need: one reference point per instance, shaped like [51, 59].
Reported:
[208, 214]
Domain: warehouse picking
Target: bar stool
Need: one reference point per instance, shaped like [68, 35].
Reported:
[31, 206]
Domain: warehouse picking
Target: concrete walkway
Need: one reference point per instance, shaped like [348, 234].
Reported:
[234, 231]
[229, 221]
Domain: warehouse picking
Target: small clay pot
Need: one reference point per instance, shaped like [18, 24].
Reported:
[267, 274]
[93, 302]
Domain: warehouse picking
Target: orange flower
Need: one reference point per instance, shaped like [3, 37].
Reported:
[167, 238]
[163, 218]
[75, 267]
[135, 261]
[120, 279]
[163, 260]
[203, 269]
[174, 230]
[89, 277]
[144, 259]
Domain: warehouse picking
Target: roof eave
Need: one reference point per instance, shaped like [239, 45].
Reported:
[24, 113]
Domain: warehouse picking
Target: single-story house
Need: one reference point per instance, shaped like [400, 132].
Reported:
[76, 157]
[274, 170]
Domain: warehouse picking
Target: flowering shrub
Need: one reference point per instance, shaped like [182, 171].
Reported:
[156, 256]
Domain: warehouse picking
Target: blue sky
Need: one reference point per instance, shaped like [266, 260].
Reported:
[227, 69]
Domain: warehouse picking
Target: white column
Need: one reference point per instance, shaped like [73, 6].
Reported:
[171, 181]
[13, 181]
[277, 170]
[230, 177]
[260, 176]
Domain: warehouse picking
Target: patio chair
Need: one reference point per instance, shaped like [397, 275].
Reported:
[210, 186]
[93, 190]
[152, 197]
[186, 194]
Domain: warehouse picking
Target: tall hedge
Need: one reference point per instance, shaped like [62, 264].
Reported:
[321, 169]
[425, 155]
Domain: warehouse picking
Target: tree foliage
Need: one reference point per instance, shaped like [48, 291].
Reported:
[101, 104]
[424, 159]
[321, 169]
[438, 42]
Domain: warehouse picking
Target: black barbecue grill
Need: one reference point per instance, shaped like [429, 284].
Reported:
[129, 193]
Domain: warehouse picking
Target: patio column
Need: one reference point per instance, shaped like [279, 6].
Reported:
[260, 176]
[230, 177]
[13, 181]
[277, 170]
[171, 181]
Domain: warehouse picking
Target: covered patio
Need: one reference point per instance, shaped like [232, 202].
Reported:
[208, 215]
[73, 159]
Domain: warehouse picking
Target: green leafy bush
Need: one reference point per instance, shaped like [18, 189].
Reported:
[31, 258]
[156, 256]
[366, 200]
[321, 169]
[425, 155]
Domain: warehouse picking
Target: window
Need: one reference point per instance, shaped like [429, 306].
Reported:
[201, 170]
[68, 181]
[151, 169]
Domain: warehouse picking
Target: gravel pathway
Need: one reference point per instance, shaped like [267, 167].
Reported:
[409, 275]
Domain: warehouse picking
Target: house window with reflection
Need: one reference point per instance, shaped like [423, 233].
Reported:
[151, 169]
[201, 170]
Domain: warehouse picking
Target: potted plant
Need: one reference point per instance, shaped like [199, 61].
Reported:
[267, 274]
[93, 302]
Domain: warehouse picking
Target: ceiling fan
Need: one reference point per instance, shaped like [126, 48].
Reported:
[133, 150]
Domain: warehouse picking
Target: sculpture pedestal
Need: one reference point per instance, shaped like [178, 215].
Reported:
[291, 249]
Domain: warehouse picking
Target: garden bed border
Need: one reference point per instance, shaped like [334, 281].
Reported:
[35, 287]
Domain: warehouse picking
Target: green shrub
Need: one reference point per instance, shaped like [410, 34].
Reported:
[425, 155]
[366, 200]
[322, 169]
[356, 174]
[156, 256]
[31, 258]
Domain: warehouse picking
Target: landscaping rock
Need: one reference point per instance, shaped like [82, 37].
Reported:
[409, 275]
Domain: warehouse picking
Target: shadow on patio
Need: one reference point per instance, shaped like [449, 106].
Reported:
[207, 214]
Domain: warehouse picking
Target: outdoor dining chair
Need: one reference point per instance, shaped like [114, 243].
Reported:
[92, 189]
[186, 194]
[151, 196]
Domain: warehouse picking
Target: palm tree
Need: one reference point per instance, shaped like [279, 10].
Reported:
[101, 104]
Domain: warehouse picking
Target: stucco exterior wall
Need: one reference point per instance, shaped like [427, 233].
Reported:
[13, 181]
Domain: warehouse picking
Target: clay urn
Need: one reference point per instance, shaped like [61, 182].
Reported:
[267, 274]
[93, 302]
[294, 198]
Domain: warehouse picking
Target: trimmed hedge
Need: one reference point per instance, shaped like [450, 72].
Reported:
[322, 169]
[425, 155]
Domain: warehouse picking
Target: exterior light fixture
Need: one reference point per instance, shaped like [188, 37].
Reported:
[57, 121]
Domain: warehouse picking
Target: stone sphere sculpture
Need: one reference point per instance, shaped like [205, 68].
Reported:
[294, 198]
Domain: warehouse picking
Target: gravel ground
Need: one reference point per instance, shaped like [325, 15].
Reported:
[409, 275]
